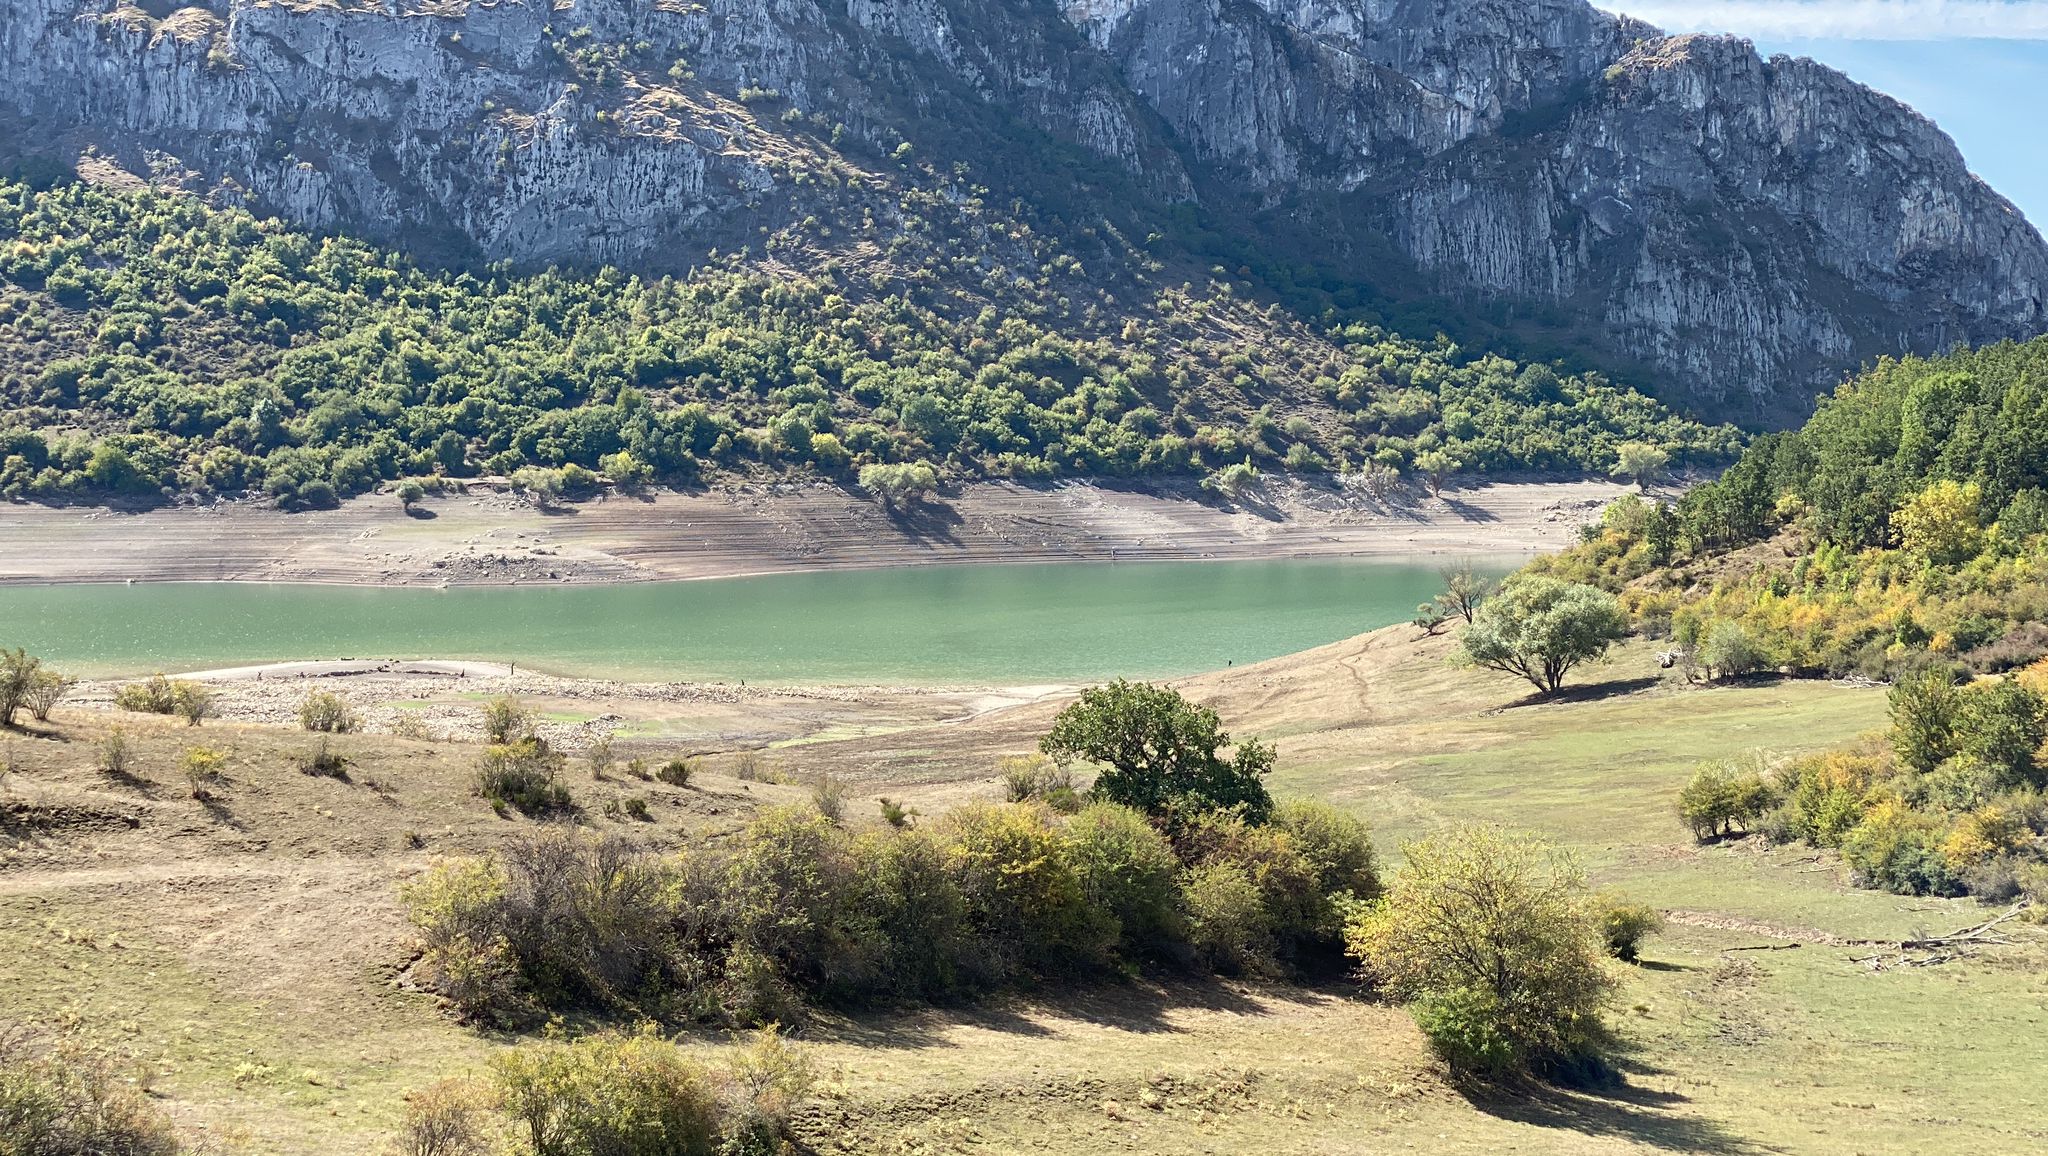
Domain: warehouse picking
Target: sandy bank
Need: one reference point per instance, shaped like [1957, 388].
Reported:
[442, 699]
[495, 538]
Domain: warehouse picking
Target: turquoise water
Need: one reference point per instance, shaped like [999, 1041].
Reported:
[931, 625]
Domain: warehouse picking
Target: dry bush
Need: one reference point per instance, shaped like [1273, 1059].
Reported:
[63, 1099]
[450, 1118]
[523, 776]
[326, 712]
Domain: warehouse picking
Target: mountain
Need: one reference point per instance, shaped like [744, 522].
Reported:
[1737, 230]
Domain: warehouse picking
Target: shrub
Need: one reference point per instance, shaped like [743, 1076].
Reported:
[449, 1118]
[159, 695]
[896, 814]
[1127, 869]
[1722, 798]
[410, 493]
[1896, 849]
[192, 702]
[46, 688]
[749, 767]
[1037, 778]
[1828, 794]
[113, 752]
[1466, 1029]
[676, 772]
[609, 1095]
[18, 672]
[326, 712]
[1024, 900]
[1624, 925]
[63, 1099]
[904, 883]
[898, 484]
[1924, 710]
[202, 767]
[599, 756]
[1232, 480]
[1504, 919]
[1162, 752]
[558, 919]
[324, 761]
[1226, 917]
[1729, 651]
[614, 1094]
[829, 796]
[523, 776]
[407, 724]
[504, 720]
[1335, 845]
[459, 910]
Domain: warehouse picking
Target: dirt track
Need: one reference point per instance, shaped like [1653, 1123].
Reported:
[487, 537]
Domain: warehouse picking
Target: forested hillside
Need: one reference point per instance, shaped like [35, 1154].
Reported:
[1902, 534]
[155, 344]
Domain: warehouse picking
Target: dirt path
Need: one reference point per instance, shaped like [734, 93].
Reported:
[489, 537]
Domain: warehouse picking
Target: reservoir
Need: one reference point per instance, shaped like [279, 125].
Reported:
[929, 625]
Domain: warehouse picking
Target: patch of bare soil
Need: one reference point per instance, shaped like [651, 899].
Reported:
[488, 536]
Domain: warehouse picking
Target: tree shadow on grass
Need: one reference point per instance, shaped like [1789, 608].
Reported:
[1619, 1110]
[1590, 692]
[1140, 1006]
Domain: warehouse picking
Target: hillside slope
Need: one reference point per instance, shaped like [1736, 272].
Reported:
[1738, 230]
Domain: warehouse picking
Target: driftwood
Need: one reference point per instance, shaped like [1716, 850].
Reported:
[1924, 951]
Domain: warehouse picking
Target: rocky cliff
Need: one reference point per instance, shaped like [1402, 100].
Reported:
[1739, 230]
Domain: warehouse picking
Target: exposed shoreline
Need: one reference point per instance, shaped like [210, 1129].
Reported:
[488, 538]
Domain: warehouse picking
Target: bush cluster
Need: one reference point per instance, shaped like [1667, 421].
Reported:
[799, 910]
[159, 695]
[1952, 803]
[58, 1098]
[614, 1093]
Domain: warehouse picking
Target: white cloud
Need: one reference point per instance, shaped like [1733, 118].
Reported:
[1847, 19]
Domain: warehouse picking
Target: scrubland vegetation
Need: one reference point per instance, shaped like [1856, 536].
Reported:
[160, 345]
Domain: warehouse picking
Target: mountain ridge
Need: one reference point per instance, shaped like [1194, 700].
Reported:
[1736, 231]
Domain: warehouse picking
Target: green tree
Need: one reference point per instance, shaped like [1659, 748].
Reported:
[409, 494]
[2001, 724]
[1640, 462]
[1437, 466]
[1163, 753]
[1540, 628]
[1493, 939]
[1729, 651]
[18, 670]
[898, 484]
[1924, 709]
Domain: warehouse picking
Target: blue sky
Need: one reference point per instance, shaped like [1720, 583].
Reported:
[1979, 68]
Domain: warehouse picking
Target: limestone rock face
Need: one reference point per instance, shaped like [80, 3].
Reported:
[1742, 229]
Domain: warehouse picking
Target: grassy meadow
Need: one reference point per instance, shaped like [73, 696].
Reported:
[250, 951]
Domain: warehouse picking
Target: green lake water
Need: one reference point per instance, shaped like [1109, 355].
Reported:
[932, 625]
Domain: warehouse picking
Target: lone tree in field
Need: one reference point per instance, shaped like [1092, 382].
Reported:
[1493, 941]
[1163, 752]
[1540, 628]
[18, 672]
[1436, 466]
[1641, 463]
[409, 495]
[898, 484]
